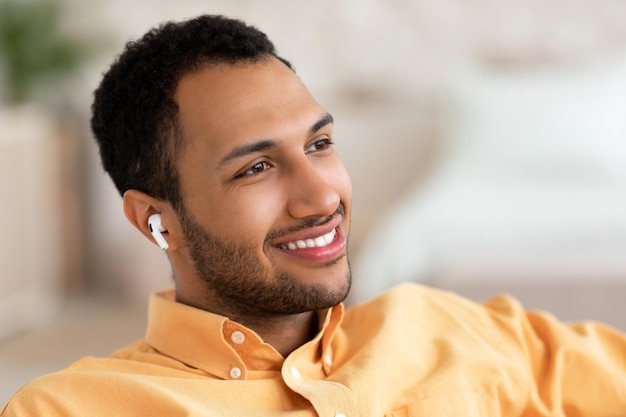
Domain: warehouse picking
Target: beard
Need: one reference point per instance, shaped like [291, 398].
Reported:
[234, 273]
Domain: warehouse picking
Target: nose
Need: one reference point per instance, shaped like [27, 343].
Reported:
[311, 192]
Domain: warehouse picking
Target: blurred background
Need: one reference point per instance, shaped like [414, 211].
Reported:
[486, 141]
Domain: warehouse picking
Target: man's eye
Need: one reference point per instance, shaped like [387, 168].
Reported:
[255, 169]
[319, 145]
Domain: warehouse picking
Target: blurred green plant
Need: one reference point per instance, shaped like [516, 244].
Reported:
[33, 50]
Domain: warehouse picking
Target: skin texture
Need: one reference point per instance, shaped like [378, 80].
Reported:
[257, 171]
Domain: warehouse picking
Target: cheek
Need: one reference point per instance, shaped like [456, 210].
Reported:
[249, 215]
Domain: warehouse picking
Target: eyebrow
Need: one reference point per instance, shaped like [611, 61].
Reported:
[243, 150]
[326, 119]
[267, 144]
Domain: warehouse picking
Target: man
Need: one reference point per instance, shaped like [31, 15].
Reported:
[225, 160]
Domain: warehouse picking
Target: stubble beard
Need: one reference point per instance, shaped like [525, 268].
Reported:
[234, 273]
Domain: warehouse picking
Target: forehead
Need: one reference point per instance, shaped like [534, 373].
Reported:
[222, 105]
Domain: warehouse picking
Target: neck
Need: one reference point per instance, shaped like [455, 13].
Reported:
[284, 333]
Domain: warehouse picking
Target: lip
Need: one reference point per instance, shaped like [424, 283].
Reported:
[328, 253]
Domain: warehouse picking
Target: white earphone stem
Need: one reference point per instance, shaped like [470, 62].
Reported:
[156, 228]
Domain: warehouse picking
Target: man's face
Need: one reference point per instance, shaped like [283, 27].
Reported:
[266, 198]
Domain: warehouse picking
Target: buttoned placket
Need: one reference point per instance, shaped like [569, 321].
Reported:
[328, 398]
[235, 338]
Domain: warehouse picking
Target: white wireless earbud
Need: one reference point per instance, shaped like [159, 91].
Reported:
[154, 223]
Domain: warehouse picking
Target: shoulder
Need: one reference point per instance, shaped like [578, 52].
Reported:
[411, 296]
[61, 393]
[90, 383]
[92, 386]
[420, 307]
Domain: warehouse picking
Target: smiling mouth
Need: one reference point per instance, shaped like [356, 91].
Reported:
[318, 242]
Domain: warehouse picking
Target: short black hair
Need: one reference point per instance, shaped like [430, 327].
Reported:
[134, 115]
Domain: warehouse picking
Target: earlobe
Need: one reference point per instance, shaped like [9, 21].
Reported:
[149, 215]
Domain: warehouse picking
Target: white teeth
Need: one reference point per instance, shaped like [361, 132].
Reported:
[318, 242]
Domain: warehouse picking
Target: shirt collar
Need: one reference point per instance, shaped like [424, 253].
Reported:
[216, 345]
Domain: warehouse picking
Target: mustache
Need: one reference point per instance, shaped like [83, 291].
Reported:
[306, 224]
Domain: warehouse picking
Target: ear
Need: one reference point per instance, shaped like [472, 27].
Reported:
[139, 206]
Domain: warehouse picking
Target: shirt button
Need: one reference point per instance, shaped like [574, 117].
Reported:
[235, 373]
[295, 373]
[238, 337]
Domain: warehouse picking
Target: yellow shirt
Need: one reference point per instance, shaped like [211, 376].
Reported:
[414, 351]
